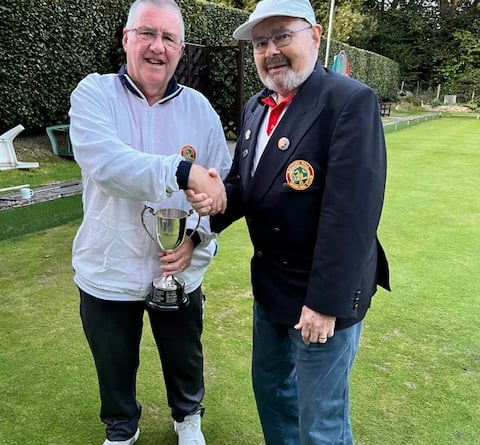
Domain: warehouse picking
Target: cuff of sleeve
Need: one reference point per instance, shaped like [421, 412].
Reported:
[194, 236]
[183, 171]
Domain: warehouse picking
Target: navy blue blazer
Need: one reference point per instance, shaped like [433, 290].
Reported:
[314, 203]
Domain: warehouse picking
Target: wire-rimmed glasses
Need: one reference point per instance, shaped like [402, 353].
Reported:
[279, 39]
[149, 35]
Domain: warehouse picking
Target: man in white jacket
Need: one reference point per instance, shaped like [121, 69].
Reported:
[141, 139]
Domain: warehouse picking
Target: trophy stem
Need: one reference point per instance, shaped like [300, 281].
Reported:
[168, 294]
[168, 282]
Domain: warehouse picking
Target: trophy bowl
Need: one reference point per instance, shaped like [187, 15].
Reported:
[168, 291]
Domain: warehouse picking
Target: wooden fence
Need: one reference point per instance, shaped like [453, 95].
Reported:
[196, 69]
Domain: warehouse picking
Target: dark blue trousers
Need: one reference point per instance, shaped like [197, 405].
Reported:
[302, 391]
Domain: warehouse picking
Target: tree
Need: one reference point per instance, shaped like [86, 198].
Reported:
[349, 22]
[422, 36]
[461, 76]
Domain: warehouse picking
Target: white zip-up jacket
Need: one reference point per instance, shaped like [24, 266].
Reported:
[129, 152]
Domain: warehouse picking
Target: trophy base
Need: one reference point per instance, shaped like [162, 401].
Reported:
[168, 295]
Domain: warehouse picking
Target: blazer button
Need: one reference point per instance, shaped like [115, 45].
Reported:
[285, 263]
[355, 306]
[358, 292]
[276, 229]
[259, 254]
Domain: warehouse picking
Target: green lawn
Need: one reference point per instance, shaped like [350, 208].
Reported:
[417, 376]
[52, 170]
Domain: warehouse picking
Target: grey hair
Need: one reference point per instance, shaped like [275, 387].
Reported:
[132, 13]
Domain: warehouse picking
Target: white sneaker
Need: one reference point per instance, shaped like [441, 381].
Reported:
[188, 431]
[130, 441]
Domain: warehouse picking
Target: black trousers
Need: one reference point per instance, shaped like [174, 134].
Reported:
[113, 330]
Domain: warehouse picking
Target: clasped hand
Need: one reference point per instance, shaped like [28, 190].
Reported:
[206, 192]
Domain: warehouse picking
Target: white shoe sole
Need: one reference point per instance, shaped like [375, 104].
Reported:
[130, 441]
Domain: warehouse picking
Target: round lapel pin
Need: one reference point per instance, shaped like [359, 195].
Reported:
[283, 143]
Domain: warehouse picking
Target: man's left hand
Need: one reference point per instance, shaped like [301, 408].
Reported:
[315, 327]
[176, 261]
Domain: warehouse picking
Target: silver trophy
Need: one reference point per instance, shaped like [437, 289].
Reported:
[171, 226]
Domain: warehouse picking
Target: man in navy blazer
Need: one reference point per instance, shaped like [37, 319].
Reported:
[309, 176]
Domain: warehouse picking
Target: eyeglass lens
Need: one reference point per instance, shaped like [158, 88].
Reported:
[148, 35]
[279, 39]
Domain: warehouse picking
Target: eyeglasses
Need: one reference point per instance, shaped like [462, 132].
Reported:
[148, 35]
[279, 39]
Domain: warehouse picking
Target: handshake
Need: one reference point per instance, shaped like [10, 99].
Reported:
[206, 192]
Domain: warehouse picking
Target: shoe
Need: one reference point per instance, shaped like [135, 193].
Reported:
[188, 431]
[130, 441]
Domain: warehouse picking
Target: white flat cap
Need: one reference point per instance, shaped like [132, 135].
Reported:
[271, 8]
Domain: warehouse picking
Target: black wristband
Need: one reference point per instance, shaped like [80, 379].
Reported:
[183, 171]
[195, 237]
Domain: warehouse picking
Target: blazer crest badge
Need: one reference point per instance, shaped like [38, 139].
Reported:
[299, 175]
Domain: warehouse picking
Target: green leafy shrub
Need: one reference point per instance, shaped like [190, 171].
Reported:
[377, 71]
[473, 105]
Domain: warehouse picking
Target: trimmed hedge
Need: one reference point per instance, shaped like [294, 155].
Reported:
[381, 73]
[48, 46]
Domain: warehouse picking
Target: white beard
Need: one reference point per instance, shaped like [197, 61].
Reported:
[285, 83]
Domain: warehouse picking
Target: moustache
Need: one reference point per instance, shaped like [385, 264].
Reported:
[276, 60]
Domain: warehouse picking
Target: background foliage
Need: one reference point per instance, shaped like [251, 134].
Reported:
[381, 73]
[435, 42]
[48, 46]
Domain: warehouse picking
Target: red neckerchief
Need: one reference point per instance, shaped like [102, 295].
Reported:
[275, 112]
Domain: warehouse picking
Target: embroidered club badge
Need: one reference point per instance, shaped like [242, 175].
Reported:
[189, 153]
[299, 175]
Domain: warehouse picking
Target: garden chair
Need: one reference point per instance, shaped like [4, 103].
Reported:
[60, 140]
[8, 158]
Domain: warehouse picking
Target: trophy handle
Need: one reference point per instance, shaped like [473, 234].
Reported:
[196, 227]
[143, 221]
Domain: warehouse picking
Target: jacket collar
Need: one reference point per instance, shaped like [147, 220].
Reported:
[173, 88]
